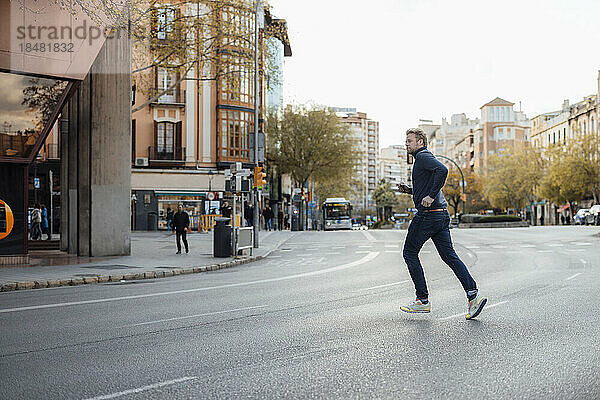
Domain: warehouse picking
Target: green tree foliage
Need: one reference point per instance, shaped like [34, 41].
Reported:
[312, 144]
[474, 190]
[513, 179]
[386, 199]
[573, 170]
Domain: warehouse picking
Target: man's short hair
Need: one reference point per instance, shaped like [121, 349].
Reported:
[419, 134]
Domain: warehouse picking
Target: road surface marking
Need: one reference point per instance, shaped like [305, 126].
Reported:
[575, 250]
[583, 244]
[362, 252]
[195, 316]
[556, 245]
[143, 388]
[544, 251]
[527, 245]
[367, 258]
[338, 247]
[484, 252]
[463, 314]
[274, 256]
[472, 247]
[369, 246]
[392, 251]
[392, 245]
[425, 252]
[368, 235]
[571, 277]
[583, 261]
[332, 254]
[386, 285]
[498, 247]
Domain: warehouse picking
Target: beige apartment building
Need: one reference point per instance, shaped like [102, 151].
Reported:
[392, 165]
[183, 140]
[501, 128]
[366, 134]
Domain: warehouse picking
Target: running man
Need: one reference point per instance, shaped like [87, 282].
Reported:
[432, 221]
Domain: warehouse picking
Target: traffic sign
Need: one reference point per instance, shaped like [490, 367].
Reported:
[211, 196]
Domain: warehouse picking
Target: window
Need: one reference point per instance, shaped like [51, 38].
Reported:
[491, 152]
[166, 19]
[165, 79]
[165, 138]
[234, 129]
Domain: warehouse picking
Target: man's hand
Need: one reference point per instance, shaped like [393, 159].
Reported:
[426, 202]
[404, 188]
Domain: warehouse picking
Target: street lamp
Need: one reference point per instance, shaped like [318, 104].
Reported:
[462, 177]
[256, 204]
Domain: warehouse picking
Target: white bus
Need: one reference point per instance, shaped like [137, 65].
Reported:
[336, 214]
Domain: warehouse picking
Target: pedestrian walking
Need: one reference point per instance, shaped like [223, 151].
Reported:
[268, 216]
[280, 219]
[36, 223]
[170, 219]
[181, 224]
[249, 213]
[45, 222]
[432, 221]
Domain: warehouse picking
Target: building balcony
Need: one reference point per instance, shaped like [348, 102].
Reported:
[165, 156]
[174, 96]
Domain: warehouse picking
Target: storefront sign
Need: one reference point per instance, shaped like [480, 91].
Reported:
[7, 220]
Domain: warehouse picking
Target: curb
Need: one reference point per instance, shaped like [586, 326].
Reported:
[13, 286]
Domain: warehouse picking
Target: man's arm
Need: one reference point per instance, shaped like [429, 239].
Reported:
[439, 174]
[404, 188]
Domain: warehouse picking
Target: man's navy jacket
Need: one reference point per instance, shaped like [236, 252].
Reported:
[428, 177]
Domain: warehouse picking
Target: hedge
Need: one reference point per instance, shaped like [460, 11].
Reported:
[476, 219]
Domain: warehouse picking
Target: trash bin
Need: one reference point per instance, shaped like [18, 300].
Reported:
[295, 222]
[152, 221]
[222, 237]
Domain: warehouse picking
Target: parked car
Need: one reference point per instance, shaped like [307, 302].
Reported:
[593, 216]
[579, 217]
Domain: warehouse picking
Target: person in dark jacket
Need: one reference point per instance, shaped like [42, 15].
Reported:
[249, 213]
[181, 223]
[432, 221]
[45, 228]
[226, 210]
[169, 219]
[268, 216]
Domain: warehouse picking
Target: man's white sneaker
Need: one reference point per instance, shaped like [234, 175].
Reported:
[416, 306]
[475, 307]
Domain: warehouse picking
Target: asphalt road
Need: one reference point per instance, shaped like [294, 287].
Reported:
[320, 318]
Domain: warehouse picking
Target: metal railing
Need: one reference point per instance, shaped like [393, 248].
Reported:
[164, 154]
[173, 96]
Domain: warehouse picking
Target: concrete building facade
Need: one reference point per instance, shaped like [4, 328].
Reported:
[366, 134]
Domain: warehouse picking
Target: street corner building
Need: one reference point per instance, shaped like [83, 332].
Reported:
[64, 129]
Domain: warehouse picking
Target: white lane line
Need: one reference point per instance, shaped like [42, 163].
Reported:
[583, 261]
[574, 276]
[472, 247]
[425, 252]
[274, 256]
[392, 251]
[368, 235]
[527, 245]
[484, 252]
[583, 244]
[575, 250]
[367, 246]
[498, 247]
[391, 246]
[484, 308]
[332, 254]
[362, 251]
[195, 316]
[338, 247]
[143, 388]
[544, 251]
[367, 258]
[556, 245]
[386, 285]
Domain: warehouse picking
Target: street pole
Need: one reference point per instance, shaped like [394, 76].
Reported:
[256, 201]
[462, 177]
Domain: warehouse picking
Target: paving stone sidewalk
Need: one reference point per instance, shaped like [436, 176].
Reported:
[152, 256]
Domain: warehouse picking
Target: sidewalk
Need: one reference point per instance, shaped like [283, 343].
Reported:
[152, 256]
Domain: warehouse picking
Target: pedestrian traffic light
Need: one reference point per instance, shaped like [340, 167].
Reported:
[259, 177]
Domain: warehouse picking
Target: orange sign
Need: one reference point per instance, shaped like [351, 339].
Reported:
[7, 220]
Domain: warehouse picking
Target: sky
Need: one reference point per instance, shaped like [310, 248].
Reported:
[405, 60]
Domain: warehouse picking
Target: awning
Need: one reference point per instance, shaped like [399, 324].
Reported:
[563, 208]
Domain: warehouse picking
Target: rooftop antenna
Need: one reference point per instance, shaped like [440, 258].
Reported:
[520, 106]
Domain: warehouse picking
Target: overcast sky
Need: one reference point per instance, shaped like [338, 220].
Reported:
[404, 60]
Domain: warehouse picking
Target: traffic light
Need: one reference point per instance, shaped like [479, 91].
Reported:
[259, 177]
